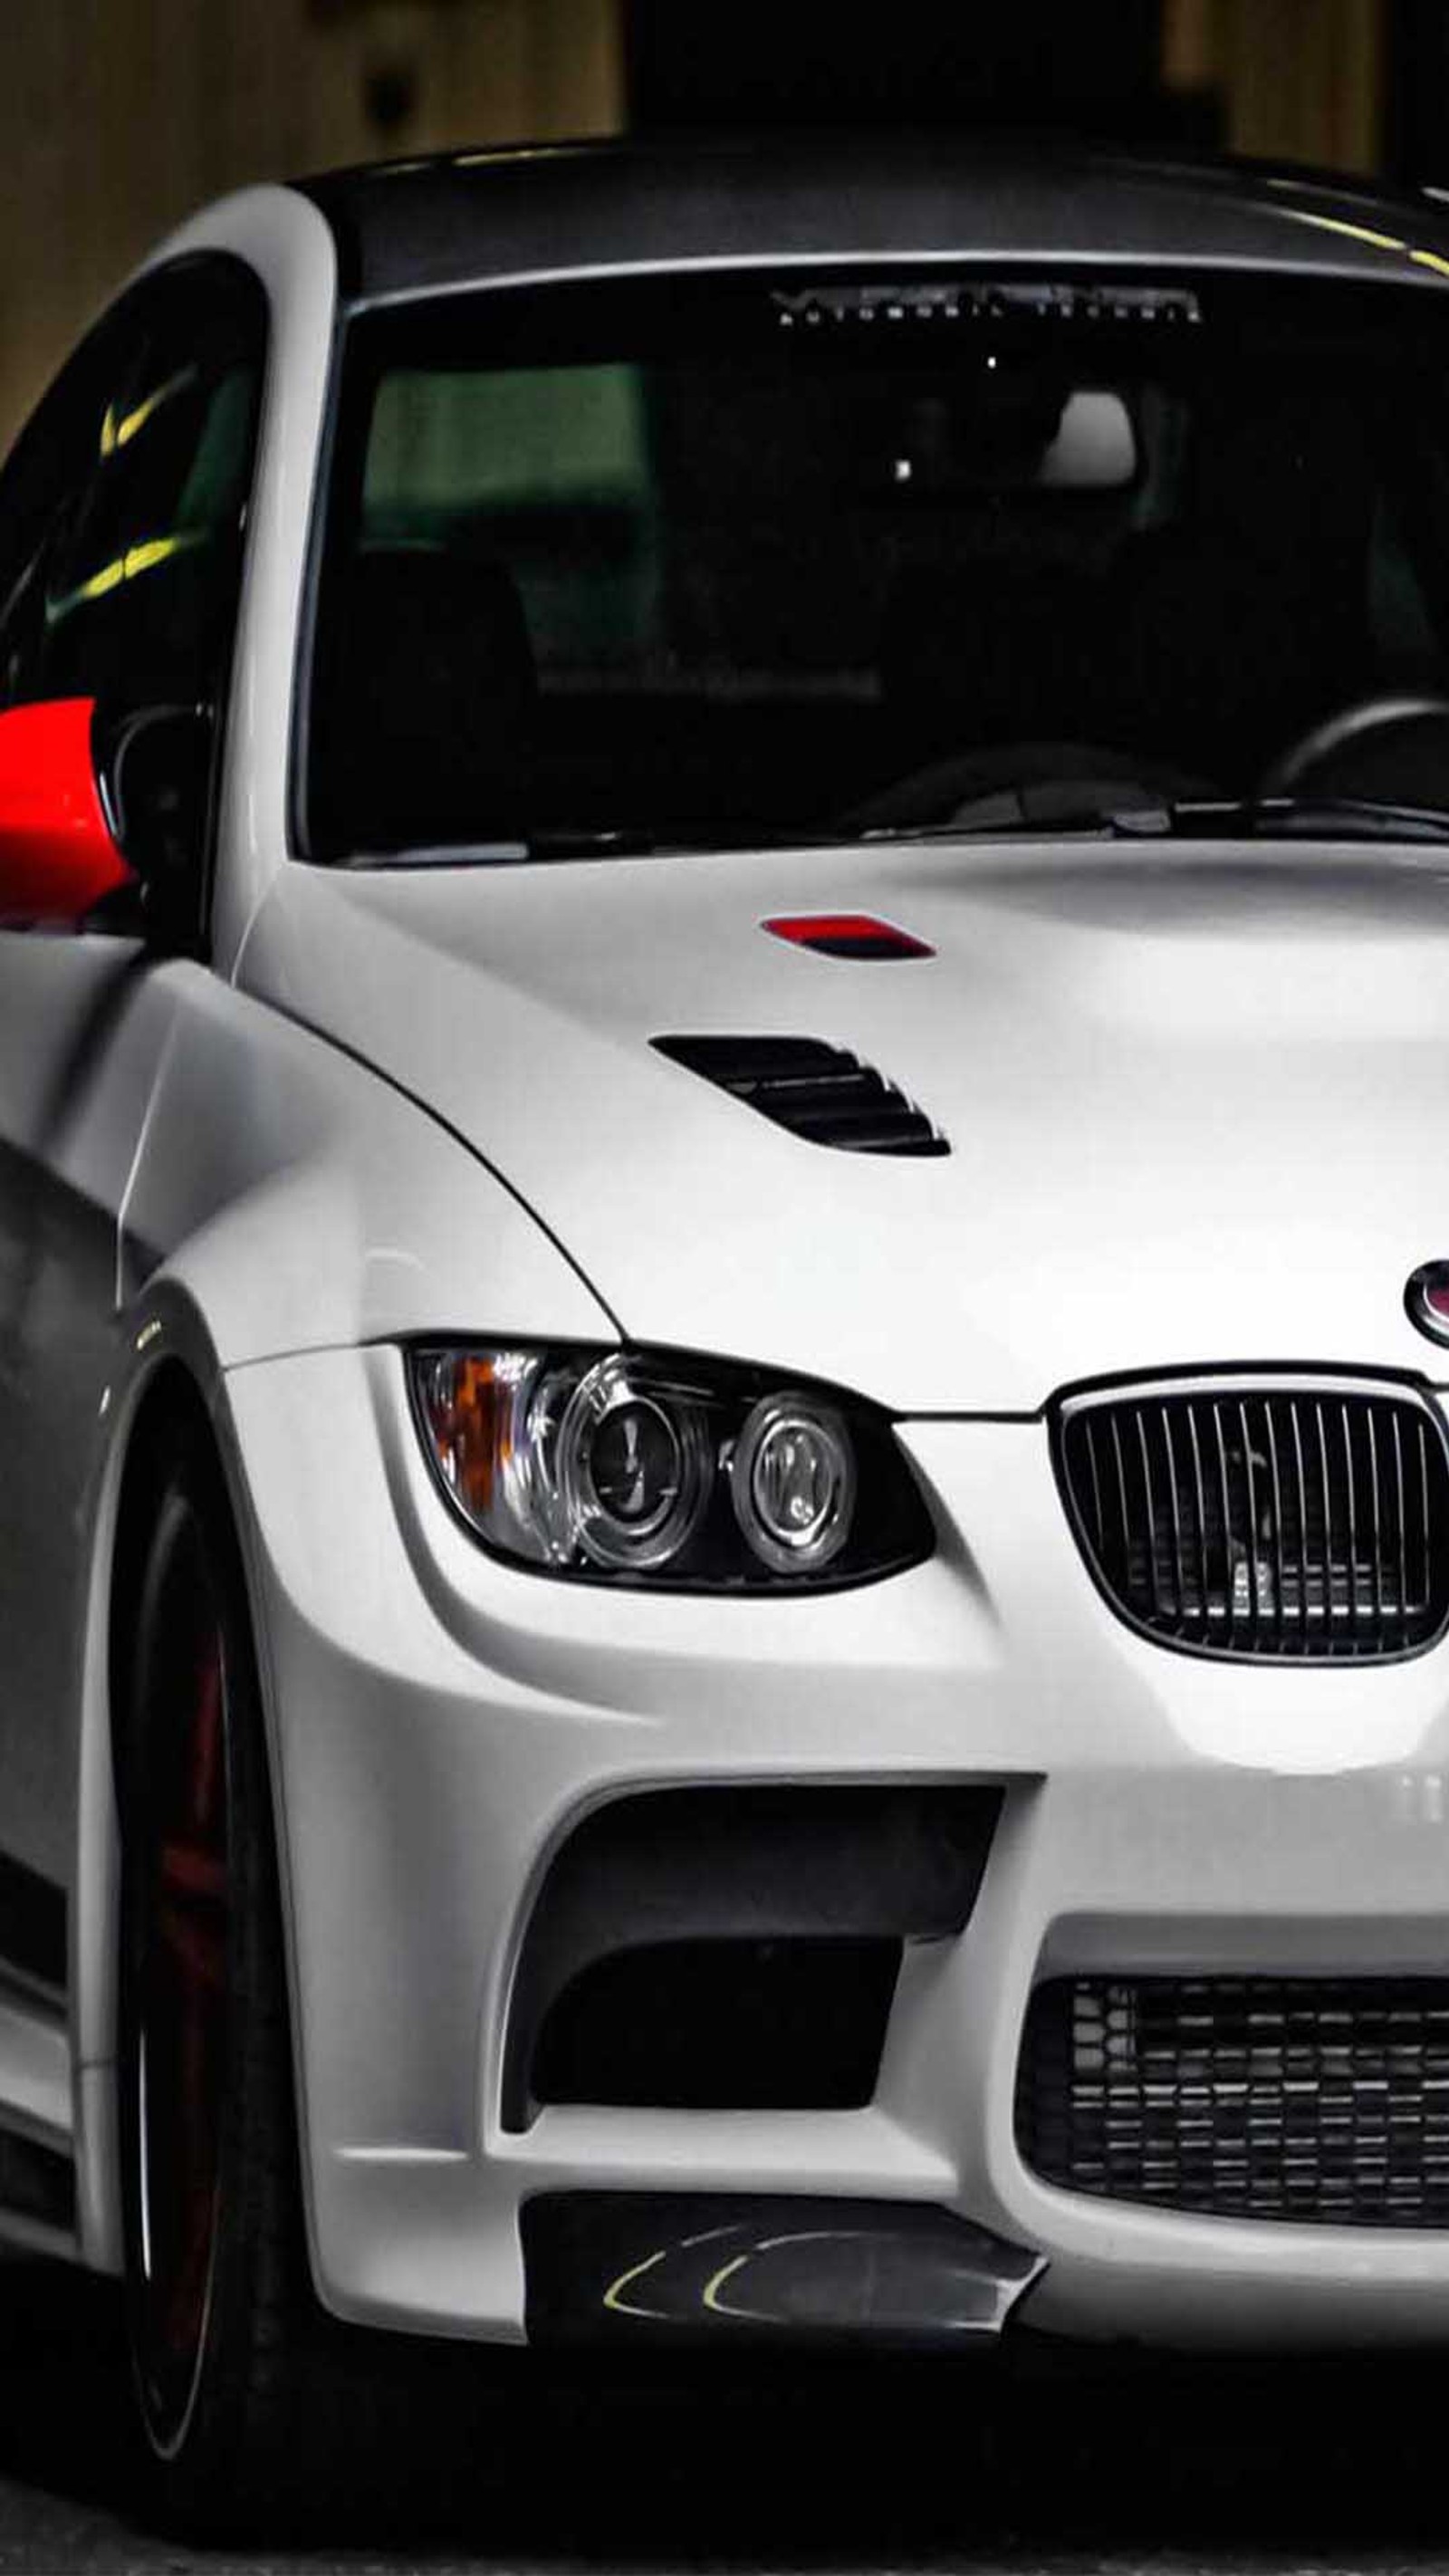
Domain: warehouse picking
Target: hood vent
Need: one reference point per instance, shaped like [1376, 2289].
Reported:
[822, 1093]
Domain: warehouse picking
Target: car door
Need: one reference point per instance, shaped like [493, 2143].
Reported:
[122, 518]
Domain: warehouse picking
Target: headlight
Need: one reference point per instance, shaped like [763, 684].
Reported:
[637, 1465]
[632, 1468]
[792, 1483]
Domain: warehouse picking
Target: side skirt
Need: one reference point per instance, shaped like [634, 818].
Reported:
[37, 2147]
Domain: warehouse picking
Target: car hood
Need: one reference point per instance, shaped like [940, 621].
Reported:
[1197, 1097]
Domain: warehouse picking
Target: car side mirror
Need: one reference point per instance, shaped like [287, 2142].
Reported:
[59, 855]
[155, 775]
[103, 822]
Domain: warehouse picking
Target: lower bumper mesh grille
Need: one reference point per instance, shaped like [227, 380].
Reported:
[1285, 2098]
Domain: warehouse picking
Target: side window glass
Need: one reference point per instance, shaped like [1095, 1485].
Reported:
[42, 480]
[142, 571]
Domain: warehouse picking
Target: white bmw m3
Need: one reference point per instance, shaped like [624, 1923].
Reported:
[724, 1256]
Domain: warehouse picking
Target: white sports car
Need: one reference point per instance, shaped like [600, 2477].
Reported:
[724, 1249]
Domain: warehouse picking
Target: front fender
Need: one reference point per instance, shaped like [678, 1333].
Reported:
[302, 1202]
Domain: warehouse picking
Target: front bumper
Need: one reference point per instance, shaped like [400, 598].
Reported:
[440, 1724]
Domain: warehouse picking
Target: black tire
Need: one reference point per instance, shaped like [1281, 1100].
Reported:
[261, 2414]
[223, 2326]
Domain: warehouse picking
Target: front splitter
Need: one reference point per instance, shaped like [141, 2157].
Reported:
[687, 2267]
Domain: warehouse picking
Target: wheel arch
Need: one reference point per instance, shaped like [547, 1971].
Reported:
[170, 1404]
[181, 1389]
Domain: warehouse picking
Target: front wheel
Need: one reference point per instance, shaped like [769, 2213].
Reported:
[257, 2409]
[220, 2311]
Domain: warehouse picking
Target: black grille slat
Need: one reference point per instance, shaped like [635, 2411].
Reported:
[1229, 1586]
[1274, 1522]
[1254, 1581]
[1427, 1586]
[1324, 2100]
[821, 1093]
[1094, 1469]
[1352, 1514]
[1403, 1554]
[1376, 1556]
[1174, 1491]
[1301, 1492]
[1124, 1514]
[1277, 1484]
[1154, 1560]
[1200, 1504]
[1327, 1520]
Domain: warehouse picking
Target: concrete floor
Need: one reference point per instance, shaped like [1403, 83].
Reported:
[1289, 2467]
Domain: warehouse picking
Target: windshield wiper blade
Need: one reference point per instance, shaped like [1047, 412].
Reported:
[1015, 814]
[606, 841]
[1040, 811]
[590, 841]
[1023, 814]
[553, 842]
[1311, 817]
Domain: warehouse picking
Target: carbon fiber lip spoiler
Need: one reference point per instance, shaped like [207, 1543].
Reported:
[661, 2268]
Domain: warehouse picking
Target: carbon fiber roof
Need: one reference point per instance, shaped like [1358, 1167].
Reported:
[407, 227]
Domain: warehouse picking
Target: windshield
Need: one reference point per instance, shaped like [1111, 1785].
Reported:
[707, 560]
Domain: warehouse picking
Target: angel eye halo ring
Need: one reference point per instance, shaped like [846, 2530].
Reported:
[633, 1469]
[664, 1468]
[792, 1483]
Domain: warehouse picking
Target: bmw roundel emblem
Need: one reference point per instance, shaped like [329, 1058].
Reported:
[1426, 1297]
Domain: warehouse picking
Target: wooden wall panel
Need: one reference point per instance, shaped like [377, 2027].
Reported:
[118, 116]
[1300, 80]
